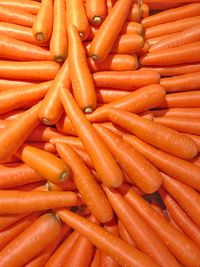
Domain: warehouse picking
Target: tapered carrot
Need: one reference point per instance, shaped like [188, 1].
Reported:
[115, 62]
[69, 140]
[96, 262]
[107, 96]
[181, 170]
[172, 142]
[85, 157]
[104, 39]
[46, 146]
[177, 112]
[76, 15]
[10, 219]
[185, 250]
[138, 169]
[125, 235]
[96, 11]
[140, 231]
[134, 13]
[81, 77]
[28, 6]
[13, 15]
[110, 244]
[64, 126]
[111, 176]
[58, 43]
[11, 48]
[46, 164]
[42, 26]
[32, 241]
[86, 184]
[9, 84]
[189, 10]
[180, 217]
[114, 128]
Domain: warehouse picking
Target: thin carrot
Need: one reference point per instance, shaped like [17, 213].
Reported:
[69, 140]
[10, 84]
[109, 243]
[177, 112]
[185, 250]
[76, 15]
[104, 39]
[46, 164]
[11, 48]
[107, 96]
[96, 11]
[124, 234]
[140, 231]
[58, 43]
[81, 77]
[42, 26]
[181, 170]
[9, 219]
[24, 5]
[138, 169]
[96, 262]
[172, 142]
[13, 15]
[111, 176]
[32, 241]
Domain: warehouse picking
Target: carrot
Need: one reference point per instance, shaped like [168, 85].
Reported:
[109, 243]
[96, 11]
[11, 48]
[172, 142]
[81, 77]
[42, 26]
[104, 39]
[138, 169]
[9, 116]
[64, 126]
[13, 136]
[181, 170]
[69, 140]
[86, 184]
[115, 62]
[163, 5]
[32, 241]
[13, 15]
[125, 235]
[46, 146]
[177, 112]
[46, 164]
[180, 217]
[175, 14]
[24, 5]
[58, 43]
[184, 125]
[131, 27]
[84, 156]
[114, 128]
[111, 176]
[189, 53]
[144, 50]
[19, 202]
[76, 15]
[107, 96]
[68, 186]
[59, 256]
[96, 262]
[185, 250]
[138, 101]
[9, 219]
[9, 84]
[196, 139]
[140, 231]
[154, 40]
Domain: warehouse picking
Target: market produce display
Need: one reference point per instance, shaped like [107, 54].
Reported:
[99, 133]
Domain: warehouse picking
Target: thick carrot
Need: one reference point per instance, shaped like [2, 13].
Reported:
[19, 202]
[180, 217]
[189, 53]
[140, 231]
[58, 43]
[165, 139]
[81, 77]
[32, 241]
[104, 39]
[13, 15]
[46, 164]
[90, 190]
[111, 176]
[138, 169]
[96, 11]
[181, 170]
[185, 251]
[109, 243]
[76, 15]
[178, 13]
[10, 84]
[69, 140]
[107, 96]
[115, 62]
[11, 48]
[177, 112]
[24, 5]
[125, 235]
[43, 23]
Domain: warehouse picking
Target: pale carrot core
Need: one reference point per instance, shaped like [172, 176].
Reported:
[88, 110]
[97, 20]
[46, 121]
[40, 36]
[64, 176]
[94, 57]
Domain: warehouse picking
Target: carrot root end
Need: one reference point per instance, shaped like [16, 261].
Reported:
[39, 36]
[97, 20]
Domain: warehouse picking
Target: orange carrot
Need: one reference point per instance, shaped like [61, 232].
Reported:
[64, 126]
[96, 262]
[125, 235]
[107, 96]
[68, 185]
[111, 176]
[81, 77]
[172, 142]
[69, 140]
[85, 158]
[9, 219]
[177, 112]
[104, 39]
[58, 43]
[196, 139]
[154, 40]
[144, 50]
[24, 5]
[46, 146]
[43, 22]
[134, 13]
[109, 243]
[96, 11]
[9, 84]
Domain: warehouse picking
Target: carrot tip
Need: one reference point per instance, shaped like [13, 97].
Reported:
[46, 121]
[94, 57]
[88, 110]
[97, 20]
[59, 59]
[81, 35]
[64, 176]
[39, 36]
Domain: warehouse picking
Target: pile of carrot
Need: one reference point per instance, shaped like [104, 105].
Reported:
[99, 133]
